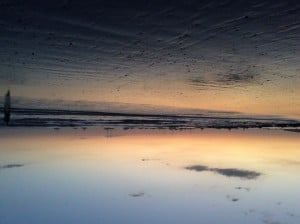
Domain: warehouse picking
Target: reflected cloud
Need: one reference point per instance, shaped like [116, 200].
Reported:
[228, 172]
[234, 75]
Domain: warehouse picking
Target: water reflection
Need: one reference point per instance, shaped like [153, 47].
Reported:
[150, 177]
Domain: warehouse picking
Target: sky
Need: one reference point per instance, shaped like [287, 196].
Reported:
[225, 55]
[146, 176]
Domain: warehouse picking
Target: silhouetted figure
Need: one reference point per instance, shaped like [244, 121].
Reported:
[7, 108]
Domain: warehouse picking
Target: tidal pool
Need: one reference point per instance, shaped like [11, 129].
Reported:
[140, 176]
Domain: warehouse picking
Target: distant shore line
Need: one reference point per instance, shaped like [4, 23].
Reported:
[56, 118]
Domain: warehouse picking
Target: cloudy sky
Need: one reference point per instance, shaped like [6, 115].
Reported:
[219, 55]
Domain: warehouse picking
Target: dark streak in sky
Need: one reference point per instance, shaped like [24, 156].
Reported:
[9, 166]
[228, 172]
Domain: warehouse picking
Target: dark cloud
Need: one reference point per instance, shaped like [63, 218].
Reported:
[232, 198]
[247, 174]
[229, 172]
[243, 188]
[12, 165]
[198, 168]
[135, 195]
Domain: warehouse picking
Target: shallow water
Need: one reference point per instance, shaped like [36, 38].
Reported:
[77, 176]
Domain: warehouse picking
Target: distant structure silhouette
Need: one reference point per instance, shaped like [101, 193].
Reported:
[7, 108]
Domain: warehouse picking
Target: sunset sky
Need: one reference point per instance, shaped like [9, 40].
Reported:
[218, 55]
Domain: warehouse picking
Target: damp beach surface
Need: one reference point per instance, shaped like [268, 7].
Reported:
[149, 176]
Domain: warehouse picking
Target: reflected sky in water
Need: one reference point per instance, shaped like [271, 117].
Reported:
[195, 54]
[149, 177]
